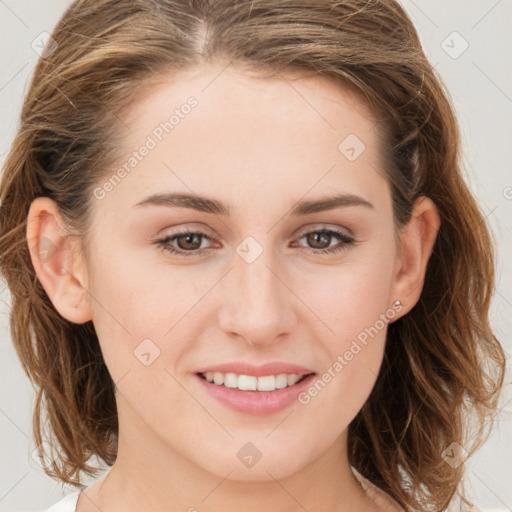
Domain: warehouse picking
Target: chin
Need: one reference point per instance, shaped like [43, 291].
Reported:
[250, 457]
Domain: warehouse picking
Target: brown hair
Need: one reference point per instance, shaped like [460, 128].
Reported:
[443, 367]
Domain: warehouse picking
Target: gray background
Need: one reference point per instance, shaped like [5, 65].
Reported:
[480, 82]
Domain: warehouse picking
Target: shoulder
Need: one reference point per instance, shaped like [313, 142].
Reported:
[66, 504]
[385, 502]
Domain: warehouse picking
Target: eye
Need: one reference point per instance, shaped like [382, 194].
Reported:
[189, 242]
[321, 239]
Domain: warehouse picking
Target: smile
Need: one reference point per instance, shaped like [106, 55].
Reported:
[251, 382]
[248, 394]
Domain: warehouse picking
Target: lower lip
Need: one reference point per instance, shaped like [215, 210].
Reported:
[256, 402]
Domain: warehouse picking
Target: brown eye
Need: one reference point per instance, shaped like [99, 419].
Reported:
[190, 241]
[187, 243]
[320, 240]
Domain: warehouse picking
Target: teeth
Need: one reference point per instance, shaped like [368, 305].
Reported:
[247, 382]
[230, 380]
[293, 379]
[267, 383]
[252, 383]
[281, 381]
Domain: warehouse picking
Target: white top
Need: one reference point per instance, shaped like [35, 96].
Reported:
[66, 504]
[386, 503]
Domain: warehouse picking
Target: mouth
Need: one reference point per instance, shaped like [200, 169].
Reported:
[254, 395]
[253, 383]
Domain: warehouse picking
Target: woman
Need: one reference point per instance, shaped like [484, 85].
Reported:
[245, 268]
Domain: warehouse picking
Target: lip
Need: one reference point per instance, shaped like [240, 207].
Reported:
[242, 368]
[255, 402]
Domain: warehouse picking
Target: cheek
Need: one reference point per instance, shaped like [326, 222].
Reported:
[141, 349]
[354, 304]
[351, 296]
[343, 386]
[147, 319]
[359, 316]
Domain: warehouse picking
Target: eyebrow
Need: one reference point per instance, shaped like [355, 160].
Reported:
[214, 206]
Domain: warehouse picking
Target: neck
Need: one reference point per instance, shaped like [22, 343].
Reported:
[151, 475]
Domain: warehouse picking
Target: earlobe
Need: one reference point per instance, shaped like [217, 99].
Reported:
[417, 240]
[55, 261]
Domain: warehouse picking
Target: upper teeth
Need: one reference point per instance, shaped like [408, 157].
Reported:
[250, 382]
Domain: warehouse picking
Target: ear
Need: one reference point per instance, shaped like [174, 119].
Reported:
[417, 239]
[57, 261]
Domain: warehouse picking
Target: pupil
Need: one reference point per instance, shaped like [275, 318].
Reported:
[188, 240]
[315, 236]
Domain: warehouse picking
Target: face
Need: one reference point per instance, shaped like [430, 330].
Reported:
[255, 275]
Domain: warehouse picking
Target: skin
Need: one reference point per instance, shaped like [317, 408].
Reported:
[260, 146]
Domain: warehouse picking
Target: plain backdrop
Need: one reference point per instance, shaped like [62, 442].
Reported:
[469, 43]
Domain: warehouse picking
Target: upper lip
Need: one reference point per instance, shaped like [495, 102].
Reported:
[243, 368]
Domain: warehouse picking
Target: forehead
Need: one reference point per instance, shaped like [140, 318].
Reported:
[229, 91]
[246, 134]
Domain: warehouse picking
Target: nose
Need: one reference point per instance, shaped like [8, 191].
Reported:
[257, 302]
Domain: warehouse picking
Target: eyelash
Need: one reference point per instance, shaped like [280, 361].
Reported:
[163, 243]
